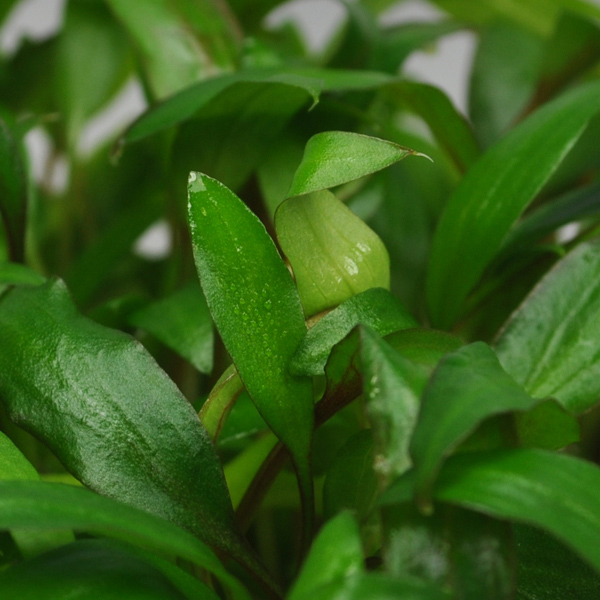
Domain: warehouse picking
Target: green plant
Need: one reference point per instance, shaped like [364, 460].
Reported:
[420, 392]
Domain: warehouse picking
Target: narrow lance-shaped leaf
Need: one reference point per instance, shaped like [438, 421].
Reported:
[555, 492]
[13, 465]
[13, 190]
[256, 308]
[110, 414]
[551, 344]
[48, 506]
[495, 192]
[335, 157]
[468, 386]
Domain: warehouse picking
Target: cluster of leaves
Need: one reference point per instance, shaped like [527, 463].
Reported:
[418, 390]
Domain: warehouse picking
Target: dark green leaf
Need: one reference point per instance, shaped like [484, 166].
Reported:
[503, 79]
[550, 345]
[334, 255]
[256, 308]
[98, 400]
[393, 387]
[450, 129]
[548, 570]
[495, 192]
[335, 157]
[88, 569]
[547, 425]
[335, 553]
[13, 189]
[351, 483]
[182, 322]
[375, 307]
[555, 492]
[48, 506]
[179, 43]
[463, 551]
[467, 387]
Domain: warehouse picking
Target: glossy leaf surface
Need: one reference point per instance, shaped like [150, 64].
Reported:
[48, 506]
[375, 307]
[335, 157]
[182, 322]
[13, 189]
[554, 492]
[110, 414]
[333, 253]
[179, 43]
[494, 193]
[467, 387]
[256, 309]
[335, 553]
[550, 344]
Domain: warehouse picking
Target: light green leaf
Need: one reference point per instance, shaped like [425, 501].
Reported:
[335, 157]
[375, 307]
[92, 394]
[334, 255]
[13, 465]
[257, 311]
[180, 43]
[551, 343]
[495, 192]
[335, 553]
[16, 273]
[555, 492]
[182, 322]
[48, 506]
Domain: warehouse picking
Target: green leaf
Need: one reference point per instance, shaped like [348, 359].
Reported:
[375, 307]
[16, 273]
[334, 255]
[13, 189]
[351, 483]
[503, 79]
[257, 311]
[468, 553]
[549, 570]
[399, 42]
[450, 128]
[92, 394]
[335, 553]
[468, 386]
[182, 322]
[48, 506]
[238, 127]
[393, 387]
[88, 570]
[90, 35]
[181, 43]
[376, 586]
[335, 157]
[550, 344]
[495, 192]
[555, 492]
[13, 465]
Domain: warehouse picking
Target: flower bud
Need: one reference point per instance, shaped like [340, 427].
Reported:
[334, 255]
